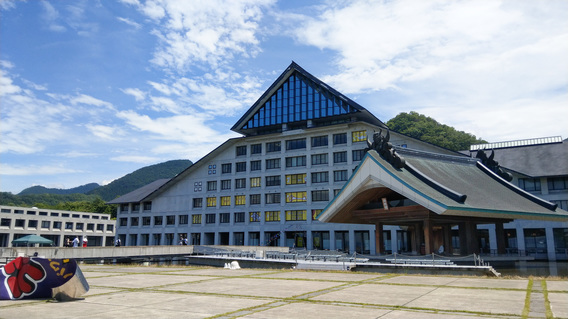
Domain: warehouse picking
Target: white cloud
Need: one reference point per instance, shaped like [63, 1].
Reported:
[458, 62]
[130, 22]
[109, 133]
[211, 32]
[50, 17]
[31, 170]
[89, 100]
[138, 94]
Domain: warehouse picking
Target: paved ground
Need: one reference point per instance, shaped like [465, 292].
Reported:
[200, 292]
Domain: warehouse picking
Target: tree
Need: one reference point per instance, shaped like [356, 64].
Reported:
[429, 130]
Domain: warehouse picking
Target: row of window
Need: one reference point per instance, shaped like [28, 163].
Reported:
[297, 144]
[275, 180]
[270, 198]
[52, 225]
[293, 161]
[52, 214]
[533, 184]
[224, 218]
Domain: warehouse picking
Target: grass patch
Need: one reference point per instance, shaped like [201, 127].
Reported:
[527, 307]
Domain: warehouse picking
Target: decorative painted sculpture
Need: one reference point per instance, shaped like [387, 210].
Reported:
[32, 277]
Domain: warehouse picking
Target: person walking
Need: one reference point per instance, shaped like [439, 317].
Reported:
[84, 241]
[76, 242]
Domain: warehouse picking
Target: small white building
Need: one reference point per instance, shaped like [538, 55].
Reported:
[56, 225]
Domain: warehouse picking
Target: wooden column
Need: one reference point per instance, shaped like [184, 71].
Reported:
[379, 245]
[500, 238]
[463, 239]
[428, 237]
[471, 237]
[447, 231]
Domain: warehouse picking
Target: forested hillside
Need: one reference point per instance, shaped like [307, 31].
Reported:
[429, 130]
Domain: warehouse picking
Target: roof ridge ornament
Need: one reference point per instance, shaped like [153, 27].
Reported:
[382, 146]
[493, 165]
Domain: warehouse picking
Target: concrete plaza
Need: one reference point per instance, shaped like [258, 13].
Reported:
[205, 292]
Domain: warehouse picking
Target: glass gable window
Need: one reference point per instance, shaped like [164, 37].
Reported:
[273, 147]
[340, 138]
[298, 99]
[241, 150]
[530, 184]
[319, 141]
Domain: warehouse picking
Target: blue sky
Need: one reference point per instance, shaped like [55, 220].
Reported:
[93, 90]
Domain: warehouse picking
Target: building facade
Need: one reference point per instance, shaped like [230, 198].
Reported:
[56, 225]
[301, 142]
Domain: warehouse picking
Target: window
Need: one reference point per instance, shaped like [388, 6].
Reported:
[254, 217]
[225, 200]
[255, 165]
[110, 228]
[273, 147]
[57, 225]
[340, 176]
[135, 208]
[240, 200]
[272, 198]
[225, 218]
[68, 225]
[254, 182]
[358, 154]
[226, 168]
[241, 167]
[296, 144]
[557, 183]
[319, 141]
[197, 186]
[33, 224]
[340, 138]
[197, 202]
[170, 220]
[196, 219]
[158, 220]
[296, 161]
[294, 179]
[339, 157]
[319, 159]
[295, 197]
[123, 222]
[225, 184]
[562, 204]
[273, 180]
[239, 217]
[183, 219]
[6, 222]
[272, 216]
[31, 212]
[212, 185]
[44, 224]
[147, 205]
[530, 184]
[211, 201]
[320, 196]
[273, 163]
[320, 177]
[146, 221]
[100, 227]
[241, 150]
[210, 218]
[256, 149]
[5, 210]
[295, 215]
[255, 199]
[358, 136]
[240, 183]
[19, 211]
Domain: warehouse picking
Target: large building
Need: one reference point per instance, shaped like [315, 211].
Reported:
[56, 225]
[301, 142]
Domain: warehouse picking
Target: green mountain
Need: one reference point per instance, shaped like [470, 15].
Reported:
[139, 178]
[83, 189]
[53, 197]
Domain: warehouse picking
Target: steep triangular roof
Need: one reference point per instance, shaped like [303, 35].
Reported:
[297, 97]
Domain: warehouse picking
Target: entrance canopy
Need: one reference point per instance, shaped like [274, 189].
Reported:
[431, 186]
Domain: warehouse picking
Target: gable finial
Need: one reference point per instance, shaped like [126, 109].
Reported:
[493, 165]
[382, 146]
